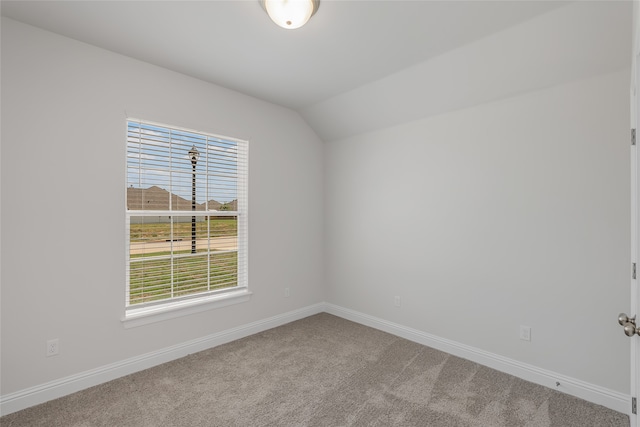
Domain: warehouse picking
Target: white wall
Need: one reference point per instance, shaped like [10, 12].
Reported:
[64, 106]
[484, 219]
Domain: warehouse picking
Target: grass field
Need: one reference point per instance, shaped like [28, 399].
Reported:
[161, 275]
[162, 231]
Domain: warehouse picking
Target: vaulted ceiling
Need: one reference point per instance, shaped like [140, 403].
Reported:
[357, 65]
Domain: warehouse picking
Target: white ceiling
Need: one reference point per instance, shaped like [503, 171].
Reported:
[346, 46]
[234, 44]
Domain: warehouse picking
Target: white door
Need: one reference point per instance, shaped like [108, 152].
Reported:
[635, 233]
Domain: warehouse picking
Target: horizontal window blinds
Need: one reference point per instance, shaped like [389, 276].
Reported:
[186, 208]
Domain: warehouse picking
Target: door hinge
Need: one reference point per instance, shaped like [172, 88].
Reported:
[633, 270]
[634, 406]
[633, 137]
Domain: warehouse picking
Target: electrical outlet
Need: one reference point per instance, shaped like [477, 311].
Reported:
[525, 333]
[286, 292]
[52, 347]
[396, 301]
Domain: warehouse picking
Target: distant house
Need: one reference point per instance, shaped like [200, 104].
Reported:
[157, 199]
[214, 205]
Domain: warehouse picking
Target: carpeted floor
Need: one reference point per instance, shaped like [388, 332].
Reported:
[318, 371]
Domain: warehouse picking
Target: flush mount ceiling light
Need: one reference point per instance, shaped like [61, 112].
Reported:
[290, 14]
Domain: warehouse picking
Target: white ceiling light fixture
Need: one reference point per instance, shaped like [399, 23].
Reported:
[290, 14]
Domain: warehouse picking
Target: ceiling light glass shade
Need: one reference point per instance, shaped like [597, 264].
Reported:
[290, 14]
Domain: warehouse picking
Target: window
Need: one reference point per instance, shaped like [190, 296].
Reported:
[186, 216]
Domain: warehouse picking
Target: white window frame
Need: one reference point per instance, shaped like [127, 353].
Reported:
[140, 314]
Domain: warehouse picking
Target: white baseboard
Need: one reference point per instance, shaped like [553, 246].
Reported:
[592, 393]
[52, 390]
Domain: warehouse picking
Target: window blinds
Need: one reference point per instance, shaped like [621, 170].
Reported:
[186, 208]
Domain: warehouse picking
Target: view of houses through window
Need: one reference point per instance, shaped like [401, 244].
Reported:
[186, 213]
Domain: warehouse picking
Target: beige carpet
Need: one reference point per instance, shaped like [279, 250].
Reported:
[319, 371]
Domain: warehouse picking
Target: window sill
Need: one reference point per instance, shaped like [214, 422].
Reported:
[134, 317]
